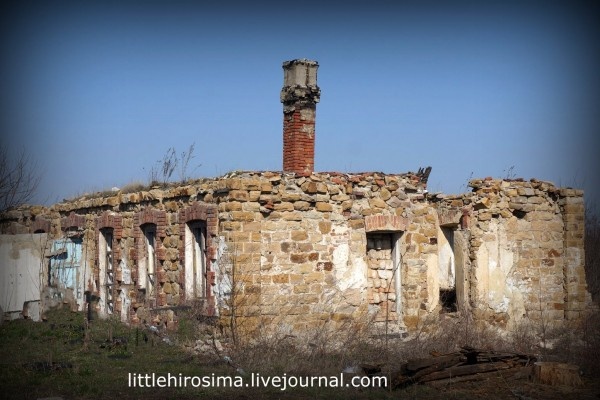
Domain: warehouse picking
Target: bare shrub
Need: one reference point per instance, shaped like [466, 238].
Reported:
[161, 173]
[445, 333]
[523, 337]
[592, 252]
[186, 157]
[588, 355]
[328, 349]
[18, 179]
[576, 342]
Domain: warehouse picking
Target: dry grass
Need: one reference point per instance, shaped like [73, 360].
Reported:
[134, 187]
[99, 372]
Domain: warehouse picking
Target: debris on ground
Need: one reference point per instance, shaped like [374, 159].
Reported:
[467, 364]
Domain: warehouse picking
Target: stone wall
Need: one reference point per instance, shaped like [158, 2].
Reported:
[525, 252]
[300, 246]
[272, 250]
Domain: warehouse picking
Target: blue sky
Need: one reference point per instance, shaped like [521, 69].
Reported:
[96, 93]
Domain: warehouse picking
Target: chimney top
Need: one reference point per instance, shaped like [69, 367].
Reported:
[299, 83]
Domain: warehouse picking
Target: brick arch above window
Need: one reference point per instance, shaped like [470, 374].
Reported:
[158, 218]
[199, 211]
[72, 221]
[40, 225]
[152, 216]
[390, 223]
[108, 220]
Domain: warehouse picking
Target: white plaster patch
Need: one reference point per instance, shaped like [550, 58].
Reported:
[125, 273]
[498, 302]
[350, 270]
[223, 284]
[125, 304]
[20, 275]
[340, 256]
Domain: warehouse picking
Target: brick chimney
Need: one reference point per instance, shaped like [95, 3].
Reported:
[300, 95]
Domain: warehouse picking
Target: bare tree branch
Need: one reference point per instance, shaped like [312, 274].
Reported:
[19, 179]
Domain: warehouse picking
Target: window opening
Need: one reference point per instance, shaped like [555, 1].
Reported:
[447, 270]
[108, 271]
[150, 239]
[195, 264]
[383, 258]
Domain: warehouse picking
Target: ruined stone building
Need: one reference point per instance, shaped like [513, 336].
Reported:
[297, 249]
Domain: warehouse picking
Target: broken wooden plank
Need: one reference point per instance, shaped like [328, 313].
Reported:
[464, 370]
[420, 363]
[459, 379]
[467, 361]
[434, 368]
[512, 373]
[414, 369]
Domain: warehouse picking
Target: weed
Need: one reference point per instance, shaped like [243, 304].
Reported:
[133, 187]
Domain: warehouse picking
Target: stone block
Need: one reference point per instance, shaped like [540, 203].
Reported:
[298, 258]
[301, 288]
[299, 235]
[240, 195]
[525, 191]
[305, 247]
[290, 196]
[316, 288]
[301, 206]
[251, 206]
[305, 268]
[231, 206]
[309, 187]
[322, 197]
[286, 247]
[377, 203]
[324, 227]
[313, 277]
[322, 188]
[347, 205]
[280, 278]
[484, 216]
[536, 200]
[324, 207]
[284, 206]
[242, 216]
[292, 216]
[325, 266]
[385, 194]
[266, 187]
